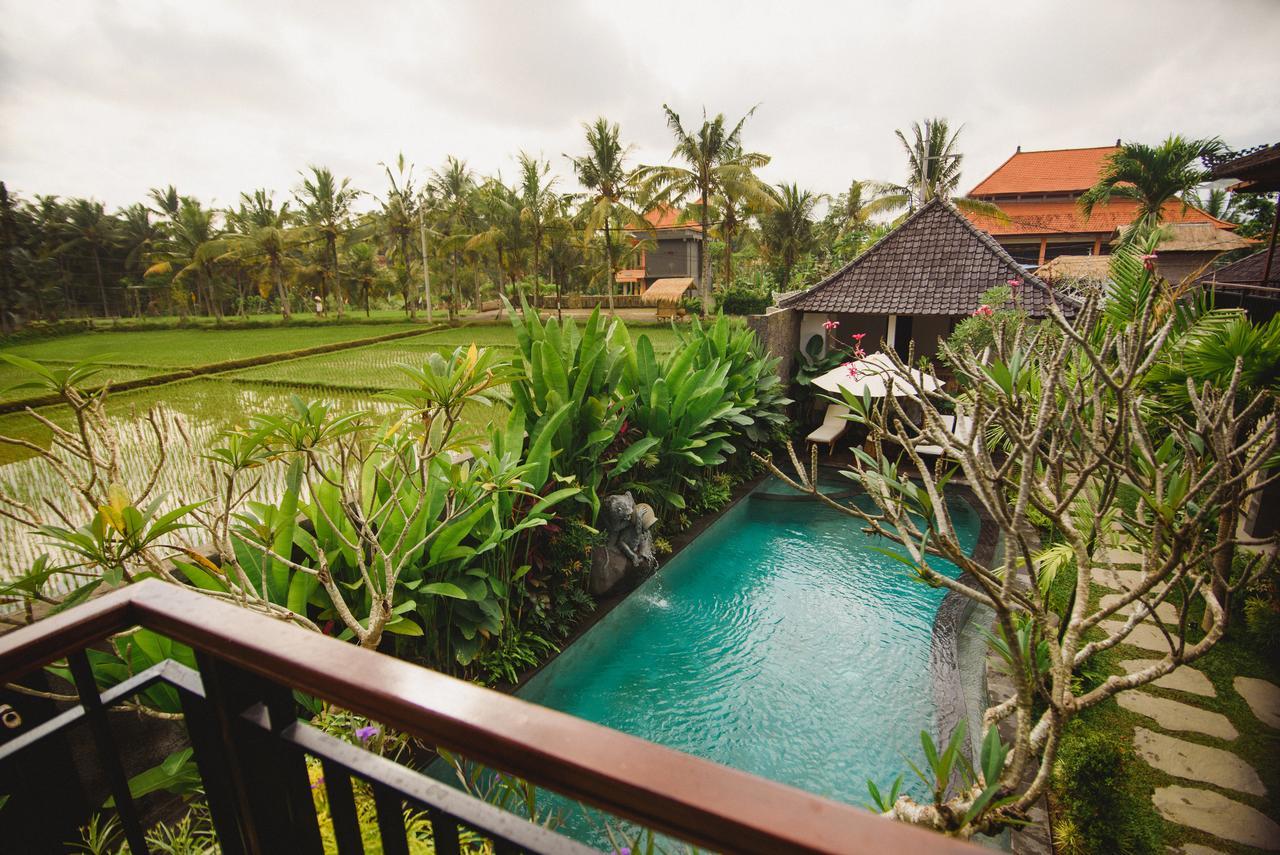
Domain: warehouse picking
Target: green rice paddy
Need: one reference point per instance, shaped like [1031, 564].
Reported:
[193, 412]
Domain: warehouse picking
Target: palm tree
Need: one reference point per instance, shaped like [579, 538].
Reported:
[139, 237]
[502, 228]
[362, 261]
[715, 158]
[1152, 176]
[401, 212]
[167, 201]
[192, 249]
[787, 230]
[452, 190]
[89, 228]
[325, 207]
[1218, 203]
[538, 201]
[739, 198]
[612, 191]
[264, 235]
[933, 171]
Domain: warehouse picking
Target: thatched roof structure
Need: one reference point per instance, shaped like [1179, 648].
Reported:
[1196, 237]
[666, 290]
[1076, 268]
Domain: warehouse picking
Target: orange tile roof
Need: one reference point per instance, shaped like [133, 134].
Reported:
[668, 217]
[1066, 170]
[1064, 217]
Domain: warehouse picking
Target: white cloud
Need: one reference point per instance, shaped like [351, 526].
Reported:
[110, 98]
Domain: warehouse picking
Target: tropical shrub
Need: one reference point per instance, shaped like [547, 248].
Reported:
[1092, 772]
[743, 299]
[564, 386]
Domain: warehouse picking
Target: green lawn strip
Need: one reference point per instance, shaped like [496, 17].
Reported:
[1257, 744]
[217, 367]
[40, 331]
[11, 375]
[372, 367]
[188, 348]
[219, 400]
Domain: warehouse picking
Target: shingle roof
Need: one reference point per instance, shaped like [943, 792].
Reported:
[1247, 271]
[1064, 217]
[1060, 171]
[935, 263]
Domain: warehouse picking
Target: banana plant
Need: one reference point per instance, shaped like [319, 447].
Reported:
[752, 382]
[679, 411]
[567, 383]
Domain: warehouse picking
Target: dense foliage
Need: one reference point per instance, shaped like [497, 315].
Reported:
[411, 530]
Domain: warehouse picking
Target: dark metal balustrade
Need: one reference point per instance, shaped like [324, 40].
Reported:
[251, 748]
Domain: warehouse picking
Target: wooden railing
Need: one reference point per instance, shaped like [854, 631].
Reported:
[250, 746]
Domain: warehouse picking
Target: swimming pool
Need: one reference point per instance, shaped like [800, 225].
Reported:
[778, 642]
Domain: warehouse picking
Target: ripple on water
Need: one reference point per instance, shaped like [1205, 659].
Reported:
[779, 642]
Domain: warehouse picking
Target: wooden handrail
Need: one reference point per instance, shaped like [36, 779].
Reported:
[691, 798]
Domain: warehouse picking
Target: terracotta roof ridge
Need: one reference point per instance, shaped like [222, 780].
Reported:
[1014, 267]
[1068, 148]
[860, 257]
[1007, 161]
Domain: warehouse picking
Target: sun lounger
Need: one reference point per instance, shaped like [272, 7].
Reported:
[930, 450]
[832, 428]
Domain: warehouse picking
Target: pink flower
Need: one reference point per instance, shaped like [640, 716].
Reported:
[983, 311]
[1149, 261]
[1014, 283]
[852, 368]
[858, 337]
[830, 325]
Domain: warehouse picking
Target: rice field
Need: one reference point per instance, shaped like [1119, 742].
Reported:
[195, 411]
[186, 348]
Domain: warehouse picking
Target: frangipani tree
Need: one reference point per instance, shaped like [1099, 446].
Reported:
[1068, 416]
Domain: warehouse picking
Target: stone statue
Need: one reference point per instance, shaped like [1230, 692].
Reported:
[628, 543]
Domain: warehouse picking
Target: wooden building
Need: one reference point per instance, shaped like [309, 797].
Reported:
[670, 251]
[1040, 193]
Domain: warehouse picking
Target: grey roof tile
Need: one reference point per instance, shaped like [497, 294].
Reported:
[935, 263]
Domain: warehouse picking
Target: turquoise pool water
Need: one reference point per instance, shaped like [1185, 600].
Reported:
[778, 642]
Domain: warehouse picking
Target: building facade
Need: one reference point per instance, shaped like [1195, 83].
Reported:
[1040, 192]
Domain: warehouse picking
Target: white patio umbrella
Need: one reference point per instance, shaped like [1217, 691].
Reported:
[873, 375]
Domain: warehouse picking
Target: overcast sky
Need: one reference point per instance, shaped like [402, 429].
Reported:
[106, 99]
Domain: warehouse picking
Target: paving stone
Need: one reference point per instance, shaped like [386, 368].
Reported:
[1175, 715]
[1196, 762]
[1167, 612]
[1262, 697]
[1198, 849]
[1184, 678]
[1116, 579]
[1123, 556]
[1143, 635]
[1218, 815]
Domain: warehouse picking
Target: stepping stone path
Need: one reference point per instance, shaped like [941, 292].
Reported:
[1143, 635]
[1217, 815]
[1119, 580]
[1123, 556]
[1193, 806]
[1196, 762]
[1262, 697]
[1166, 611]
[1184, 678]
[1173, 715]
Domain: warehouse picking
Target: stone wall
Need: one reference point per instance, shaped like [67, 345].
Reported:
[779, 332]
